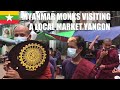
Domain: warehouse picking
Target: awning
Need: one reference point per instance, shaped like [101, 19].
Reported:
[91, 34]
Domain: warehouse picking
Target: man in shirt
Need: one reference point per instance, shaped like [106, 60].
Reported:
[76, 67]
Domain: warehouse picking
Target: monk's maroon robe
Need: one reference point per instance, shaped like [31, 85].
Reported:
[110, 61]
[85, 70]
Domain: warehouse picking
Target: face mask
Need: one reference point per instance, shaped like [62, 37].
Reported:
[71, 52]
[20, 39]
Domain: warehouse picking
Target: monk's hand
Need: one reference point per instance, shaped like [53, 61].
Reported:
[103, 53]
[102, 67]
[11, 73]
[6, 65]
[115, 70]
[97, 37]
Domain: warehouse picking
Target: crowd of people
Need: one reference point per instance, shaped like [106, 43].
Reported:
[79, 66]
[78, 63]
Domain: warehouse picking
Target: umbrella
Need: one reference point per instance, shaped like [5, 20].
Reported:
[82, 33]
[66, 33]
[44, 36]
[89, 35]
[61, 38]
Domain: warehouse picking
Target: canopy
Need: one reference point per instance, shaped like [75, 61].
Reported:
[66, 33]
[61, 38]
[89, 35]
[44, 36]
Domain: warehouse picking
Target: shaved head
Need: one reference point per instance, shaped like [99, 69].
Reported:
[107, 43]
[22, 28]
[107, 40]
[22, 31]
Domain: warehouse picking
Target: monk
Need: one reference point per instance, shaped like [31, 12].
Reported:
[21, 34]
[109, 60]
[76, 67]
